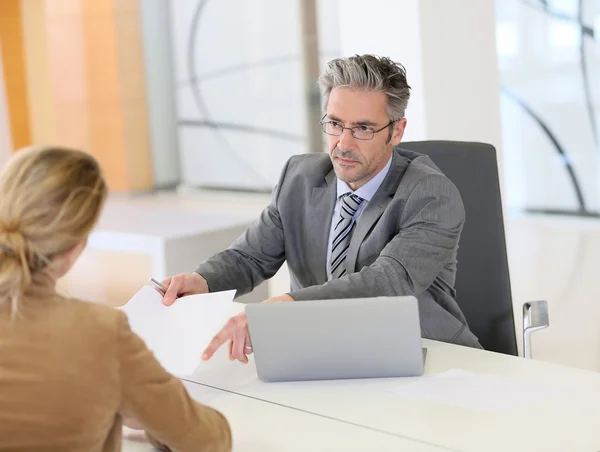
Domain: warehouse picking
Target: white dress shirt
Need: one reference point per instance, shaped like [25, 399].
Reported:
[366, 192]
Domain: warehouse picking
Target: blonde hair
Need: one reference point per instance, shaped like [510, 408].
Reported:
[50, 199]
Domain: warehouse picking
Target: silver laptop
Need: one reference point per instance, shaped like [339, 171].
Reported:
[336, 339]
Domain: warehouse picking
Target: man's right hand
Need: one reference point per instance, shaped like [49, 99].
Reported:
[182, 285]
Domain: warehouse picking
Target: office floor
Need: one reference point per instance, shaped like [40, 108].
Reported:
[552, 258]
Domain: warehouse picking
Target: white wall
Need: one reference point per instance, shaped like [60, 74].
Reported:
[448, 49]
[460, 70]
[389, 29]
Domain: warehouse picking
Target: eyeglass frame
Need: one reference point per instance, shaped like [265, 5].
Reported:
[351, 129]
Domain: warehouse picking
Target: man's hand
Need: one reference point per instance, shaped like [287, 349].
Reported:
[236, 332]
[285, 297]
[182, 285]
[132, 423]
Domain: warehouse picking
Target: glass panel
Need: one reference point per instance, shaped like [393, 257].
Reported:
[549, 58]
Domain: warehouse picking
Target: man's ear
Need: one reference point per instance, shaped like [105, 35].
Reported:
[398, 132]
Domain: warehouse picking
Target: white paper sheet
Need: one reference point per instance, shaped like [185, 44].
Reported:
[480, 392]
[178, 334]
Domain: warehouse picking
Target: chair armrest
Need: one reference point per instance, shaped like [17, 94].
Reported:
[535, 317]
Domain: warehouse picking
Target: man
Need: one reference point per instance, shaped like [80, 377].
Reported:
[366, 220]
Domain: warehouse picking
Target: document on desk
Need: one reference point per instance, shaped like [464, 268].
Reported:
[178, 334]
[476, 391]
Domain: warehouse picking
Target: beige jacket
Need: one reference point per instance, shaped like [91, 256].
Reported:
[70, 371]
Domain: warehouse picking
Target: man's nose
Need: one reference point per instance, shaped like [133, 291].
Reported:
[347, 140]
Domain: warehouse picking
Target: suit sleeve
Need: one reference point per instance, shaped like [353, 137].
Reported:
[160, 402]
[431, 225]
[252, 258]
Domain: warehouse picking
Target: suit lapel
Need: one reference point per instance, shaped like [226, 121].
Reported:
[322, 203]
[375, 208]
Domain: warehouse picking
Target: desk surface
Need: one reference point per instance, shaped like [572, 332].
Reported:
[259, 426]
[568, 420]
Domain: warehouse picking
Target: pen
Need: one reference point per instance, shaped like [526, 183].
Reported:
[158, 285]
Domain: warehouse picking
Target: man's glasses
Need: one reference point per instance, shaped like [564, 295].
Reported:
[359, 132]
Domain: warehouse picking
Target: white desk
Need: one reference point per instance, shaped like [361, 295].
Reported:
[259, 426]
[568, 421]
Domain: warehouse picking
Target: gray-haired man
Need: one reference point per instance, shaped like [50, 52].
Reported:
[365, 220]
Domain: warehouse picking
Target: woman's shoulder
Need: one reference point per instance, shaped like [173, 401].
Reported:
[87, 314]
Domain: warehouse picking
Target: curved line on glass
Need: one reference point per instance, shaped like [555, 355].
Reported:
[274, 61]
[585, 29]
[559, 149]
[242, 128]
[199, 100]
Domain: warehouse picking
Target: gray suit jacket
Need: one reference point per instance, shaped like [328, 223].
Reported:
[404, 243]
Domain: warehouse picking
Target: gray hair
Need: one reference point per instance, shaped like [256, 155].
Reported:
[368, 73]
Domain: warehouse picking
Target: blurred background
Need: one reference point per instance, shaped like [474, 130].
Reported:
[192, 108]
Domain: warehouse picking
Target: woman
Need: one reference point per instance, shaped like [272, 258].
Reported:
[71, 371]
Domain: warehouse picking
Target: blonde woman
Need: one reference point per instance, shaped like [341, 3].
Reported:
[71, 371]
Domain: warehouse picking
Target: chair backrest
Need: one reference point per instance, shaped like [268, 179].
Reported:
[482, 281]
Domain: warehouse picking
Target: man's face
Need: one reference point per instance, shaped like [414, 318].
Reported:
[356, 161]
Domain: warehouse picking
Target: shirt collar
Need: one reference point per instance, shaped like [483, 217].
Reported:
[368, 190]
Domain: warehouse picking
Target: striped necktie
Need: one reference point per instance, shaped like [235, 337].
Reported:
[342, 234]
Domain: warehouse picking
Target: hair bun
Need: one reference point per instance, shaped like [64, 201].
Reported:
[12, 241]
[11, 236]
[9, 227]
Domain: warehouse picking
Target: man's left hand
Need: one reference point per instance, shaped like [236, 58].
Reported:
[285, 297]
[236, 331]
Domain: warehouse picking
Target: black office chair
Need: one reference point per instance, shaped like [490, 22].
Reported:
[482, 281]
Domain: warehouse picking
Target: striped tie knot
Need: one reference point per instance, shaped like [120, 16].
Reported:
[350, 204]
